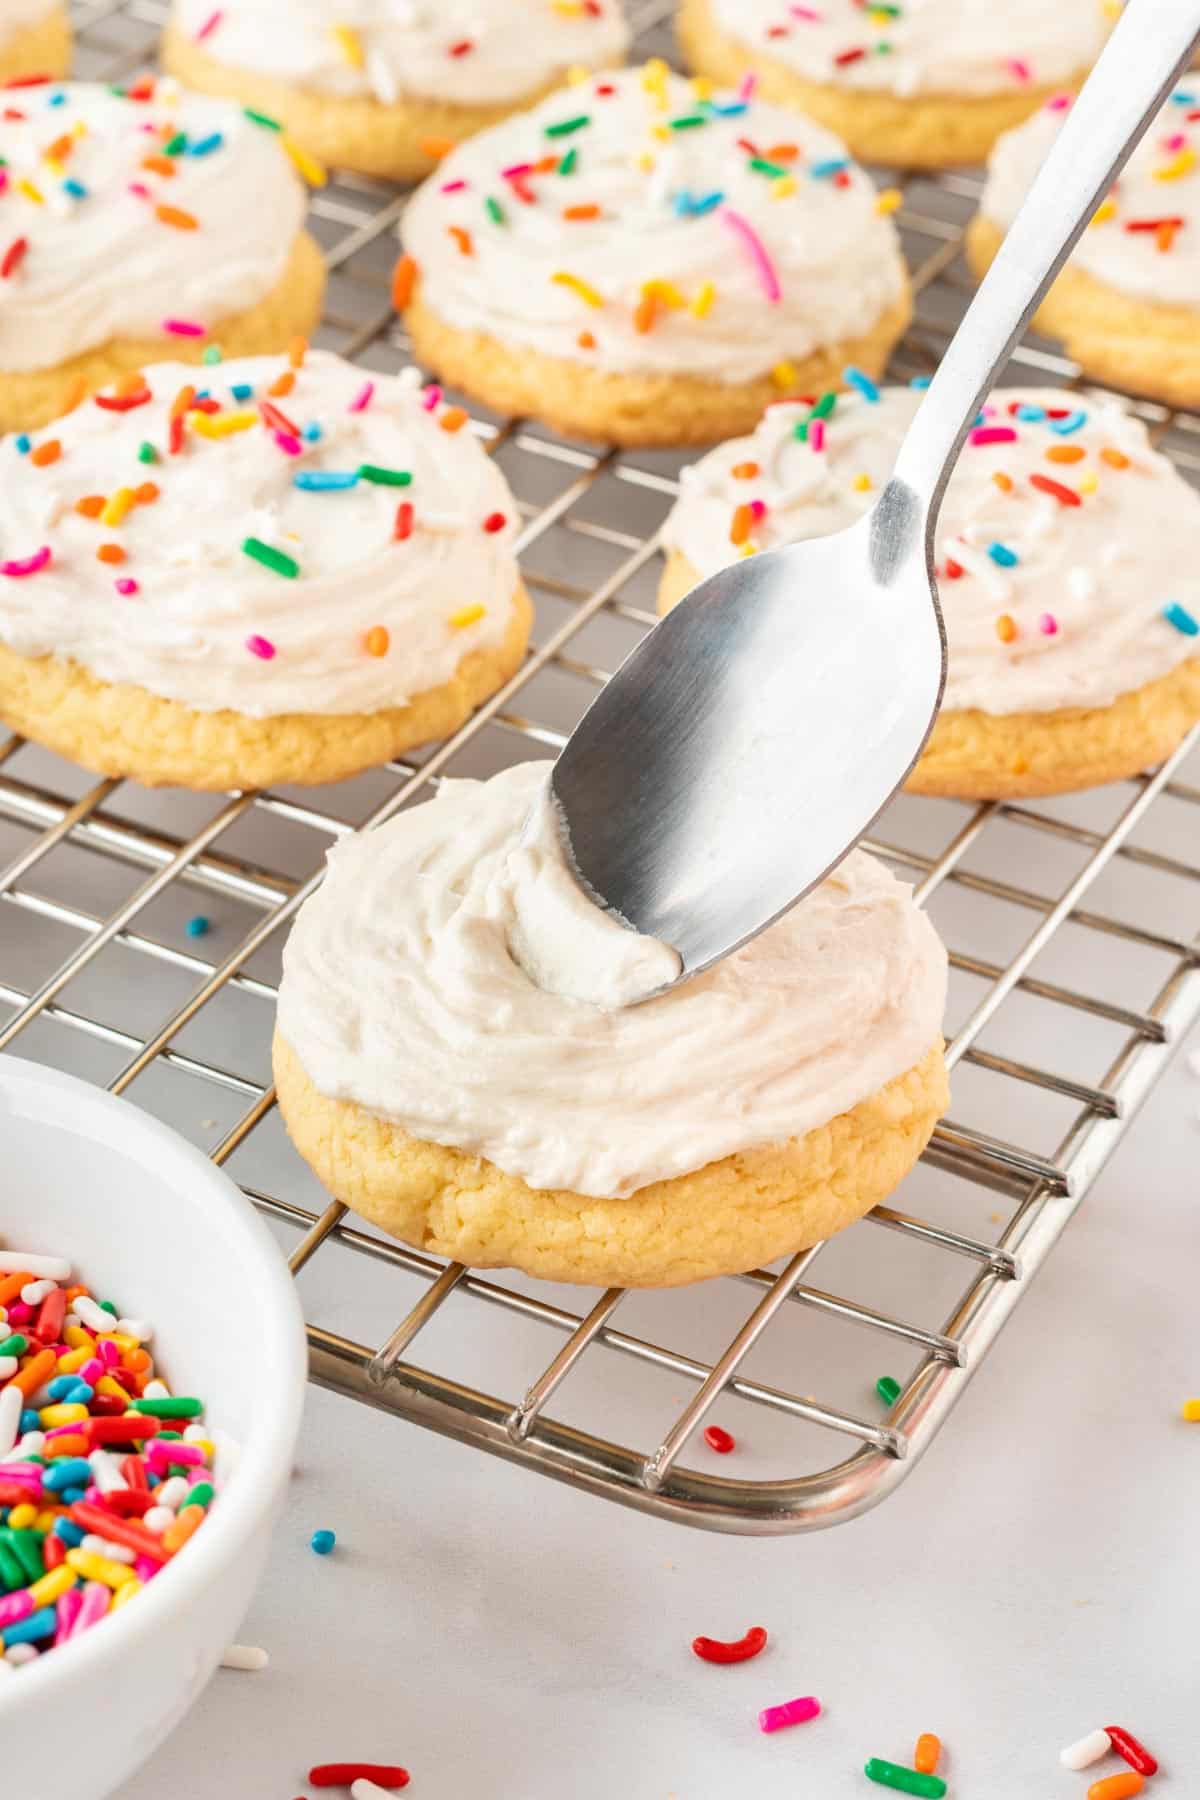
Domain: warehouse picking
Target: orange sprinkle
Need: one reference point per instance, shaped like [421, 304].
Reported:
[186, 1522]
[1116, 459]
[182, 402]
[453, 419]
[39, 1368]
[404, 278]
[462, 238]
[158, 165]
[110, 553]
[91, 506]
[1002, 481]
[76, 394]
[11, 1285]
[61, 148]
[175, 215]
[46, 453]
[1065, 453]
[282, 384]
[297, 351]
[927, 1753]
[645, 313]
[1006, 628]
[739, 530]
[146, 493]
[131, 384]
[1164, 234]
[66, 1446]
[586, 341]
[782, 153]
[545, 165]
[581, 212]
[744, 471]
[378, 641]
[437, 147]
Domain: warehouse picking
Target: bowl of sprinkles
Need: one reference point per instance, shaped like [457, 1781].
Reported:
[152, 1369]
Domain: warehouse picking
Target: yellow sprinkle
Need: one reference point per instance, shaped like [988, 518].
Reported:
[106, 1385]
[30, 192]
[577, 74]
[120, 1338]
[205, 1447]
[45, 1519]
[861, 484]
[1112, 9]
[312, 171]
[115, 509]
[654, 75]
[47, 1589]
[882, 19]
[1088, 483]
[99, 1568]
[350, 45]
[22, 1517]
[1182, 164]
[74, 1359]
[56, 167]
[77, 1337]
[466, 615]
[125, 1592]
[702, 300]
[645, 162]
[220, 425]
[888, 200]
[661, 132]
[1191, 1412]
[79, 129]
[582, 288]
[784, 186]
[702, 87]
[666, 291]
[67, 1413]
[1104, 211]
[784, 375]
[749, 548]
[567, 9]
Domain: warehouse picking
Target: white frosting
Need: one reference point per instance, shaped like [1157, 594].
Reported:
[1101, 572]
[944, 47]
[410, 47]
[837, 260]
[185, 633]
[399, 992]
[1131, 261]
[18, 15]
[103, 264]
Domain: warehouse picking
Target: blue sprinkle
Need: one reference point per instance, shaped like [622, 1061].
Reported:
[241, 390]
[29, 1421]
[311, 433]
[323, 1541]
[1000, 553]
[1031, 414]
[980, 418]
[1181, 619]
[66, 1473]
[197, 927]
[206, 145]
[920, 381]
[70, 1533]
[75, 188]
[61, 1386]
[1182, 97]
[688, 208]
[24, 443]
[40, 1624]
[833, 165]
[71, 1496]
[1065, 427]
[862, 384]
[733, 109]
[204, 394]
[325, 481]
[57, 99]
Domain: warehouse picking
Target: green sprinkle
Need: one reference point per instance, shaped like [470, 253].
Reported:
[905, 1781]
[147, 453]
[262, 118]
[687, 120]
[212, 354]
[175, 146]
[200, 1495]
[26, 1546]
[12, 1575]
[109, 1306]
[883, 48]
[173, 1406]
[282, 565]
[763, 167]
[888, 1389]
[167, 1436]
[565, 127]
[495, 211]
[567, 165]
[16, 1345]
[384, 477]
[824, 407]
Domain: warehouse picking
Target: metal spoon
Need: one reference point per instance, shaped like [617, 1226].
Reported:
[754, 734]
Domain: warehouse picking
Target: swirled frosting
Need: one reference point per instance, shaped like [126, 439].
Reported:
[121, 214]
[463, 51]
[398, 532]
[630, 224]
[944, 47]
[1145, 238]
[399, 992]
[1064, 540]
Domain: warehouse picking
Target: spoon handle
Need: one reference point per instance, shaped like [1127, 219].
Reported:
[1151, 43]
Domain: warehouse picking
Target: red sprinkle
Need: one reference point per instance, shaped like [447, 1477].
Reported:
[719, 1440]
[463, 47]
[953, 570]
[1064, 495]
[495, 522]
[13, 256]
[404, 521]
[1152, 224]
[845, 57]
[716, 1650]
[277, 420]
[122, 403]
[385, 1775]
[1135, 1754]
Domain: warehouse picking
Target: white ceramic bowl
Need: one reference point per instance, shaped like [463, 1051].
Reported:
[148, 1220]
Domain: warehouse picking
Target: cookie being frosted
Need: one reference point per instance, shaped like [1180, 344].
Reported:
[253, 573]
[929, 82]
[441, 1092]
[35, 39]
[643, 260]
[1127, 305]
[1066, 565]
[140, 224]
[380, 85]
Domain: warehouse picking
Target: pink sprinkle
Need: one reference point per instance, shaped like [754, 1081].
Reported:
[172, 1451]
[260, 646]
[94, 1605]
[145, 1568]
[209, 26]
[25, 565]
[62, 1431]
[516, 171]
[140, 189]
[758, 509]
[757, 251]
[1048, 625]
[19, 1313]
[453, 187]
[431, 397]
[1020, 68]
[362, 399]
[3, 180]
[15, 1606]
[792, 1712]
[806, 12]
[109, 1354]
[291, 446]
[94, 1368]
[1059, 102]
[816, 435]
[125, 584]
[185, 328]
[67, 1611]
[747, 85]
[1176, 141]
[993, 434]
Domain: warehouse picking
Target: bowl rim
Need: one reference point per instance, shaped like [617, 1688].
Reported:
[270, 1445]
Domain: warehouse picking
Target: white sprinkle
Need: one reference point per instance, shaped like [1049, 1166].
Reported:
[93, 1316]
[102, 1546]
[107, 1471]
[171, 1492]
[12, 1402]
[1088, 1750]
[20, 1653]
[141, 1329]
[34, 1292]
[8, 1366]
[195, 1434]
[248, 1657]
[381, 79]
[157, 1518]
[362, 1789]
[16, 1262]
[156, 1390]
[32, 1444]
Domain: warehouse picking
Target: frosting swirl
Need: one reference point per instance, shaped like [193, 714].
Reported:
[115, 207]
[943, 47]
[400, 533]
[630, 224]
[1144, 240]
[462, 51]
[1062, 543]
[399, 992]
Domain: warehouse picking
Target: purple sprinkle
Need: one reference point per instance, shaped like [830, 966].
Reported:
[260, 646]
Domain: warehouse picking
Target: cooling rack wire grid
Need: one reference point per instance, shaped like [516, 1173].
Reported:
[1074, 972]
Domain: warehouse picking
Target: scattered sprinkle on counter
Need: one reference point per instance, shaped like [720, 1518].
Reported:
[388, 1776]
[888, 1389]
[720, 1440]
[736, 1650]
[198, 926]
[790, 1712]
[323, 1542]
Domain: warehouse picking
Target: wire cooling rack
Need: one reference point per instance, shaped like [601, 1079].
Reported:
[1072, 978]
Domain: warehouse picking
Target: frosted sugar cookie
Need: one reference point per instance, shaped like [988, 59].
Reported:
[1127, 305]
[1068, 552]
[451, 1099]
[383, 86]
[642, 261]
[260, 571]
[35, 39]
[927, 83]
[137, 225]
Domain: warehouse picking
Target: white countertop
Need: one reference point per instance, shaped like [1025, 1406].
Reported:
[502, 1635]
